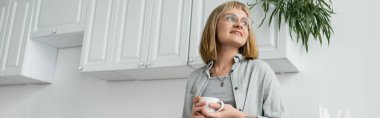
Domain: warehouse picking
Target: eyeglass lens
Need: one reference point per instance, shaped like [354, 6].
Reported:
[232, 18]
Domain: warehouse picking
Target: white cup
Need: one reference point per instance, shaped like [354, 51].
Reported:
[209, 100]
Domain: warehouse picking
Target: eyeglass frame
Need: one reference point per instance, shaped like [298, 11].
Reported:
[249, 20]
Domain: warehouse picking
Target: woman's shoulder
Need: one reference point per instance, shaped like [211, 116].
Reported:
[261, 70]
[201, 70]
[196, 76]
[197, 73]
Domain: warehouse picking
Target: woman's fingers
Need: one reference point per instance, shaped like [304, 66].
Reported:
[211, 114]
[197, 109]
[199, 117]
[215, 105]
[196, 112]
[196, 99]
[199, 104]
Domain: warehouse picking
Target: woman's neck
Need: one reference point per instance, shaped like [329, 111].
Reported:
[225, 60]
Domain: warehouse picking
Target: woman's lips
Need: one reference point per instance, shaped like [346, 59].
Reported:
[237, 32]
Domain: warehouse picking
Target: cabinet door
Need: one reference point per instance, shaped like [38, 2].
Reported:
[131, 42]
[58, 17]
[16, 36]
[275, 45]
[169, 33]
[97, 39]
[4, 8]
[268, 38]
[201, 11]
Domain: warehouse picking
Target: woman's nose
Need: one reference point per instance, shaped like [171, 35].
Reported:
[238, 25]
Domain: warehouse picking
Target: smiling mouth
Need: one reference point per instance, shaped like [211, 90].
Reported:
[236, 32]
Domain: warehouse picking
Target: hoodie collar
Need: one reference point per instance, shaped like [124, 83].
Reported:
[237, 58]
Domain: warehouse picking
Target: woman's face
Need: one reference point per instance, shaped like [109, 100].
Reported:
[232, 28]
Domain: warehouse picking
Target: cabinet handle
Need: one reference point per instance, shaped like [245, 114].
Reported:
[148, 64]
[54, 31]
[191, 60]
[80, 68]
[142, 64]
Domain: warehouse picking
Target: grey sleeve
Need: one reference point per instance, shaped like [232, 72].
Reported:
[273, 106]
[188, 104]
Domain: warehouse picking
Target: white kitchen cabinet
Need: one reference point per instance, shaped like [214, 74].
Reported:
[4, 8]
[22, 60]
[275, 46]
[97, 42]
[129, 39]
[59, 23]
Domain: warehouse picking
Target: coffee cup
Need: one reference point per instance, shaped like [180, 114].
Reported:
[209, 100]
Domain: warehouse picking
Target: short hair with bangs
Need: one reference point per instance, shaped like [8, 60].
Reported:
[208, 46]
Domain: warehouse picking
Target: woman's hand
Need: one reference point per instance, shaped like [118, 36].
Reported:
[228, 111]
[196, 111]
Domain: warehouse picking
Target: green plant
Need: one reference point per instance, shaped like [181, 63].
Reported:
[304, 17]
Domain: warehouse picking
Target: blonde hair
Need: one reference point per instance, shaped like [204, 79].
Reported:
[208, 47]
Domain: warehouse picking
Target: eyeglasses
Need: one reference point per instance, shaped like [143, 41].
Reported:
[232, 19]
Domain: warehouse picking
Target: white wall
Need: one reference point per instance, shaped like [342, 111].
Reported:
[74, 95]
[344, 75]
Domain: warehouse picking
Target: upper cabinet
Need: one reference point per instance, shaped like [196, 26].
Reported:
[22, 60]
[122, 39]
[275, 45]
[59, 23]
[129, 39]
[4, 8]
[153, 39]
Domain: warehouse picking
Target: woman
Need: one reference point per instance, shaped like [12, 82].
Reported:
[248, 86]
